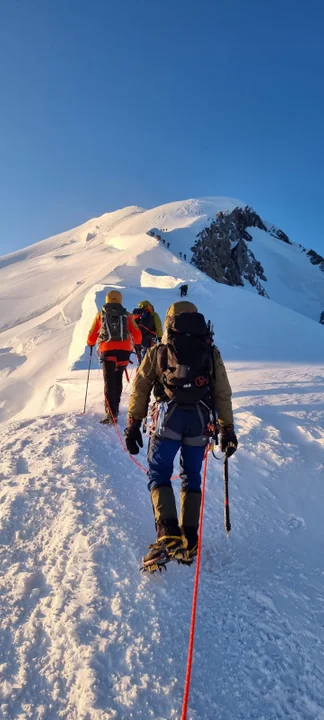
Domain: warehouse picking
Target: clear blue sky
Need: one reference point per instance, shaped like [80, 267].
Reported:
[106, 103]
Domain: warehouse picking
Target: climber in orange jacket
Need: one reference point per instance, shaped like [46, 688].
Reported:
[116, 332]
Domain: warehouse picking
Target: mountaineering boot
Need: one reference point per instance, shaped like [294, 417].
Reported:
[188, 557]
[169, 545]
[190, 502]
[108, 419]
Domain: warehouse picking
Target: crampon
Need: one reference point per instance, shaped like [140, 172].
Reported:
[191, 553]
[161, 552]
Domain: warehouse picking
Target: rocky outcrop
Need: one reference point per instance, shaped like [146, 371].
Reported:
[316, 259]
[279, 234]
[322, 318]
[221, 250]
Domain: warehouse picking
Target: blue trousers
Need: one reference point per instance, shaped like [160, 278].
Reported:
[186, 427]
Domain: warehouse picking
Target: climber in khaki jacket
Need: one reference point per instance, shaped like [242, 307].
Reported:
[182, 413]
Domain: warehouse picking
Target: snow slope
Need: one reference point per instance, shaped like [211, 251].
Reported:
[83, 634]
[291, 279]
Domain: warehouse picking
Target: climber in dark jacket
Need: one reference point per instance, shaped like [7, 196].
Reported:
[150, 325]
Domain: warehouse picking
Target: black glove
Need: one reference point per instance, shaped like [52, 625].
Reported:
[228, 440]
[133, 436]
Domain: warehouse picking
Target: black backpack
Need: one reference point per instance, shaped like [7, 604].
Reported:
[113, 323]
[146, 323]
[186, 361]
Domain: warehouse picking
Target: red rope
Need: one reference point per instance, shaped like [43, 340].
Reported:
[194, 598]
[122, 441]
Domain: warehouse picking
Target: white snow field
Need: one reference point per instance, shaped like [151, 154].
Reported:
[83, 634]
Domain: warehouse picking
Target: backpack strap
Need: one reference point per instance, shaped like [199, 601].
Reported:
[162, 358]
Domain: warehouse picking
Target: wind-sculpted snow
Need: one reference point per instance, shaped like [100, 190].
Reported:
[157, 279]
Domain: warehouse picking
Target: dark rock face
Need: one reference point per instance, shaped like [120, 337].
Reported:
[279, 234]
[221, 250]
[316, 259]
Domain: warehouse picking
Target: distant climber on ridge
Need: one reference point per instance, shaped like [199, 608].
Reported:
[114, 328]
[183, 290]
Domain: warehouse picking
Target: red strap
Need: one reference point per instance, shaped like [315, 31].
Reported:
[120, 363]
[140, 325]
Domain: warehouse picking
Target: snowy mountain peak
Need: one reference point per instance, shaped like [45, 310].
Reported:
[238, 248]
[221, 236]
[83, 634]
[53, 288]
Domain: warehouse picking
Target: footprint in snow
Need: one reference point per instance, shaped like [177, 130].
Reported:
[34, 584]
[296, 523]
[22, 467]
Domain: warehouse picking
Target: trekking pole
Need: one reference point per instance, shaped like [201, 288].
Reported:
[89, 367]
[227, 520]
[127, 376]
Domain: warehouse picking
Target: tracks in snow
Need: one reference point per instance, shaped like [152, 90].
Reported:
[85, 635]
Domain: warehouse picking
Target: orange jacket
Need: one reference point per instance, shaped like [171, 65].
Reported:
[133, 330]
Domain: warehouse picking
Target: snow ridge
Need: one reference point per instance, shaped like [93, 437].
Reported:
[83, 634]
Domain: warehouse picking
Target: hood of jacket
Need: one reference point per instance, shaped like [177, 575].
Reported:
[176, 309]
[146, 305]
[114, 296]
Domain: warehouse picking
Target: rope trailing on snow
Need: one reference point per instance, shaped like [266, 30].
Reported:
[195, 596]
[121, 439]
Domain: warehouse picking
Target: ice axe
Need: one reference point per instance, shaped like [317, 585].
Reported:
[227, 519]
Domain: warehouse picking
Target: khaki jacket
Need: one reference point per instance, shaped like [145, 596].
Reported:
[148, 374]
